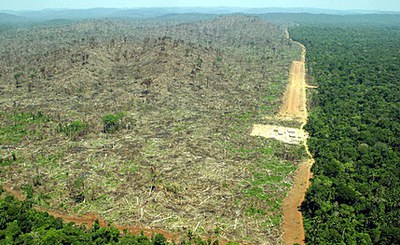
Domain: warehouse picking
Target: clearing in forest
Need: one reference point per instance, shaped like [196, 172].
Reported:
[287, 135]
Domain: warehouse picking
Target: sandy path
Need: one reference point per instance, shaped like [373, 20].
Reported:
[294, 106]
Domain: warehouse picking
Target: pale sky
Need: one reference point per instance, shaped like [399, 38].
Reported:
[388, 5]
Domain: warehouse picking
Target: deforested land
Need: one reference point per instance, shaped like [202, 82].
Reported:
[147, 122]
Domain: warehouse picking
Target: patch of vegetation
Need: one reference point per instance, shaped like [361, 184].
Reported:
[7, 160]
[15, 126]
[112, 122]
[73, 129]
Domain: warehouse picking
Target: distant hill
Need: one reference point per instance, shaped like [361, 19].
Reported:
[99, 13]
[95, 13]
[8, 21]
[10, 18]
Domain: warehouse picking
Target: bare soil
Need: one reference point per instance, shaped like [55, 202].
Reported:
[295, 106]
[292, 224]
[285, 134]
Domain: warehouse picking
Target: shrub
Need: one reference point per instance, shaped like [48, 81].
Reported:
[112, 122]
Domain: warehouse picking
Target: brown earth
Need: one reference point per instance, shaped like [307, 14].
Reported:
[294, 99]
[294, 106]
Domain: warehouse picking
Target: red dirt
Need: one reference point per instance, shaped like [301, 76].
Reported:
[294, 106]
[18, 195]
[89, 219]
[292, 224]
[294, 99]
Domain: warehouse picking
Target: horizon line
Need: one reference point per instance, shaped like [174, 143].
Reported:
[203, 7]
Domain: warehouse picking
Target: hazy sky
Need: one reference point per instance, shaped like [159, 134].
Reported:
[391, 5]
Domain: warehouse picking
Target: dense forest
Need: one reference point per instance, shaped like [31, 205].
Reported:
[354, 133]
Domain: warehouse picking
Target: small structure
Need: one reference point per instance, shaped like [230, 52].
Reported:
[291, 130]
[287, 135]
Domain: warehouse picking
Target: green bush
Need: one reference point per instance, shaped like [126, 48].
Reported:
[112, 122]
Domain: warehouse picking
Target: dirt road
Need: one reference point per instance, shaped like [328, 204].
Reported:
[294, 106]
[294, 99]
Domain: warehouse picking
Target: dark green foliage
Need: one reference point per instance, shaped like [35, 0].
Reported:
[7, 160]
[77, 189]
[159, 239]
[112, 122]
[354, 134]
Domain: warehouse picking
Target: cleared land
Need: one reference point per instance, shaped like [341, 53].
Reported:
[294, 99]
[146, 124]
[285, 134]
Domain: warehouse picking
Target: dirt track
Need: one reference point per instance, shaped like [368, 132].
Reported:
[294, 99]
[294, 106]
